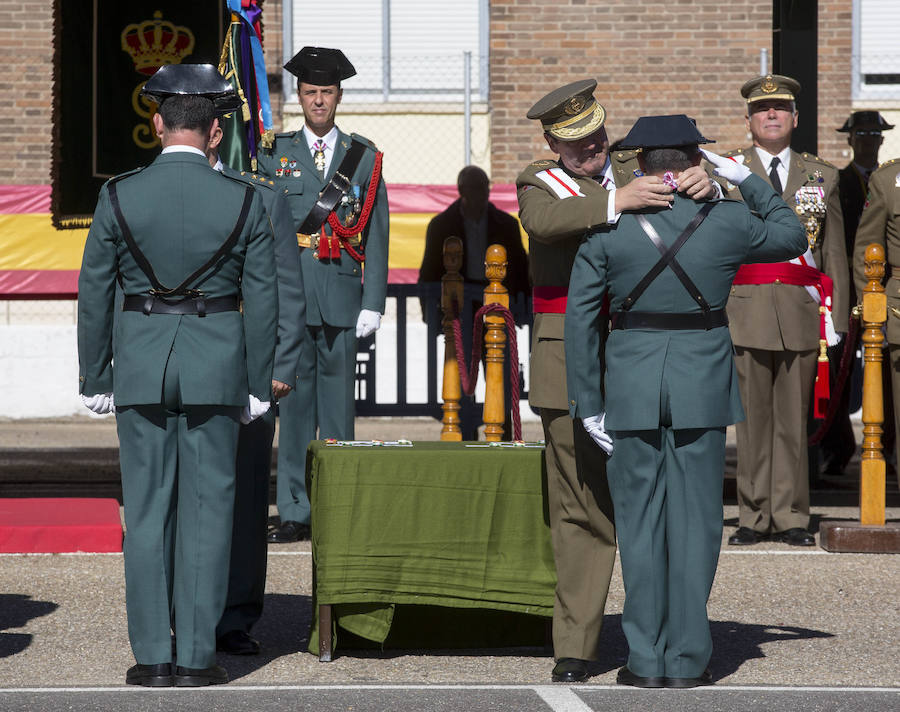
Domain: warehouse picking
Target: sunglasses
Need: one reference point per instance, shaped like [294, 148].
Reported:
[867, 133]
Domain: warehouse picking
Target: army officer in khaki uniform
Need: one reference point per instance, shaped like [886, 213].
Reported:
[880, 223]
[775, 322]
[332, 181]
[559, 202]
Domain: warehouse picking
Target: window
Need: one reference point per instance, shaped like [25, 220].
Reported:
[876, 53]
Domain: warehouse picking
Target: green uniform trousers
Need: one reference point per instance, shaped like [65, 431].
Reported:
[178, 476]
[583, 534]
[247, 573]
[773, 471]
[325, 398]
[666, 487]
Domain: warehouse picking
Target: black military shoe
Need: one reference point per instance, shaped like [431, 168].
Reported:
[200, 677]
[150, 675]
[745, 536]
[796, 536]
[289, 532]
[570, 670]
[686, 682]
[237, 642]
[626, 677]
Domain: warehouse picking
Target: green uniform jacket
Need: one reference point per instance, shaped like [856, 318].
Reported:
[288, 277]
[180, 211]
[880, 223]
[795, 326]
[696, 366]
[555, 227]
[335, 289]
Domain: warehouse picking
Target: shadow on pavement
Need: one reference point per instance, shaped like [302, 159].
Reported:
[16, 610]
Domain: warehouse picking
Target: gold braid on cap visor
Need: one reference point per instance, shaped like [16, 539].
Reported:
[560, 130]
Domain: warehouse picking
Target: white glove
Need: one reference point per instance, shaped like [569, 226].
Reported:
[596, 428]
[102, 403]
[367, 323]
[730, 170]
[256, 408]
[832, 338]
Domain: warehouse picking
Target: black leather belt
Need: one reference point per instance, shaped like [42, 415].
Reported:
[198, 305]
[658, 321]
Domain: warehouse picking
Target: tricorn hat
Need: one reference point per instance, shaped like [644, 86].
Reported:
[320, 66]
[672, 131]
[865, 120]
[771, 86]
[570, 112]
[192, 79]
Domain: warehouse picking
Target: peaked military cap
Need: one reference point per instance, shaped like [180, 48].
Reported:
[320, 66]
[771, 86]
[865, 120]
[570, 112]
[672, 131]
[194, 80]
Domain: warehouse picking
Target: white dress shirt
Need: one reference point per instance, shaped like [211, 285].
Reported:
[783, 168]
[330, 140]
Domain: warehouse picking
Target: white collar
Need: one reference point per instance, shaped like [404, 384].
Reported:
[766, 157]
[330, 138]
[182, 148]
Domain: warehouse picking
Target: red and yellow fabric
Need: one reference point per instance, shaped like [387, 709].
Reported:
[37, 261]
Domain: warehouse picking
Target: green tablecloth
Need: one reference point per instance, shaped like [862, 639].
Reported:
[435, 524]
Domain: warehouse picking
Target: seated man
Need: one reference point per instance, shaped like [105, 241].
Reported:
[671, 387]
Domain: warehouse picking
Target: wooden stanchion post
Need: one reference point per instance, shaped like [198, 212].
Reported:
[451, 300]
[870, 534]
[494, 343]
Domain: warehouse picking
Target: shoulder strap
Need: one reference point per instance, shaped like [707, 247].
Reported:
[668, 259]
[336, 189]
[144, 264]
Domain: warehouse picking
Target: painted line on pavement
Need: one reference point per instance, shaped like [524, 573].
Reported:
[561, 699]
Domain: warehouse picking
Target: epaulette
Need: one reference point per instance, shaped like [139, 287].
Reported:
[364, 140]
[889, 162]
[257, 179]
[624, 155]
[126, 174]
[735, 152]
[815, 159]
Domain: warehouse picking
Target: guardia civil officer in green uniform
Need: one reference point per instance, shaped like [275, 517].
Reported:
[776, 324]
[189, 246]
[247, 572]
[559, 202]
[670, 388]
[880, 224]
[333, 185]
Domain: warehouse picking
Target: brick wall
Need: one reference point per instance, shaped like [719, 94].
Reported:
[26, 87]
[681, 56]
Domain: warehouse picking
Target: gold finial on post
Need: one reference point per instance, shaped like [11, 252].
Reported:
[872, 467]
[451, 302]
[494, 343]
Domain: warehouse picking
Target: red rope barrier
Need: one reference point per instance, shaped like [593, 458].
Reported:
[843, 370]
[469, 377]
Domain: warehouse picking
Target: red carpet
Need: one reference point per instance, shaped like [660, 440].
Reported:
[57, 525]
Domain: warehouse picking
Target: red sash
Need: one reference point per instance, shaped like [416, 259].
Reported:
[553, 300]
[802, 276]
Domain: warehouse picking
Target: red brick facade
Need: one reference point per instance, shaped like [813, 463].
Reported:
[680, 56]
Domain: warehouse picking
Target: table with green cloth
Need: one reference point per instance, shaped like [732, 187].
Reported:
[439, 526]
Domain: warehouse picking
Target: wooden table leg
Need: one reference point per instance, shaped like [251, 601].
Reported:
[324, 633]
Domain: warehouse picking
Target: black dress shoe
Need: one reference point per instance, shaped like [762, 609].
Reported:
[626, 677]
[289, 531]
[796, 536]
[745, 536]
[237, 642]
[150, 675]
[570, 670]
[685, 682]
[200, 677]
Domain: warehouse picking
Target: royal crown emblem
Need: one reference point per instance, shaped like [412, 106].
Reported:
[769, 85]
[153, 43]
[574, 105]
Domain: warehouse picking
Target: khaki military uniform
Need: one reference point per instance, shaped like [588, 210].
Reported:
[581, 516]
[775, 330]
[880, 223]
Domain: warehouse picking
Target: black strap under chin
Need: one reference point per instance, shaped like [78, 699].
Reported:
[668, 260]
[158, 288]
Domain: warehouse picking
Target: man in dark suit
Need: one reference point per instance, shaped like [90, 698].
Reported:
[670, 388]
[190, 363]
[479, 224]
